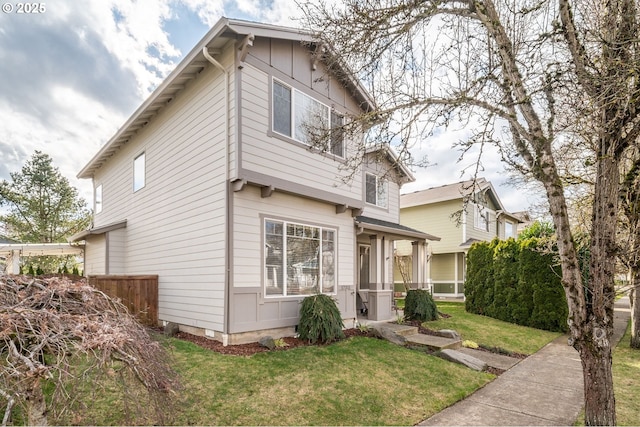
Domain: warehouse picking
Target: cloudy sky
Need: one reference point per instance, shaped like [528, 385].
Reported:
[71, 75]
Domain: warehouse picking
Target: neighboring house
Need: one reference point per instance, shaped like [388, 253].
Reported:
[460, 214]
[214, 185]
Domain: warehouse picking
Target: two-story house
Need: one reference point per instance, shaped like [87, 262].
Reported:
[462, 213]
[214, 185]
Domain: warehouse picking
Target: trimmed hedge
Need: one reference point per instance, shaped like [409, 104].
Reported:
[516, 281]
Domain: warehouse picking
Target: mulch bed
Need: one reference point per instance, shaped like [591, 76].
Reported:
[292, 342]
[252, 348]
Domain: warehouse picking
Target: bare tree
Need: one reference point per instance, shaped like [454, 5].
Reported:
[65, 340]
[532, 77]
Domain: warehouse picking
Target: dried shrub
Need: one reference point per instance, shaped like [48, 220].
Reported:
[66, 346]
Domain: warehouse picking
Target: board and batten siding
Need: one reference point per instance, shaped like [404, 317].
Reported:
[176, 223]
[272, 155]
[249, 308]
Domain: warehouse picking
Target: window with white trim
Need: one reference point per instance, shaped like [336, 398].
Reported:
[97, 196]
[376, 190]
[299, 259]
[481, 218]
[139, 172]
[509, 229]
[299, 116]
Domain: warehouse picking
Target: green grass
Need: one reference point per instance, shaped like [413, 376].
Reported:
[360, 381]
[626, 371]
[490, 332]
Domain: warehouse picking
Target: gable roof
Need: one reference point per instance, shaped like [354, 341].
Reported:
[385, 151]
[459, 190]
[224, 31]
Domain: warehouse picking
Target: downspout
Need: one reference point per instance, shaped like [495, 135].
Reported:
[227, 279]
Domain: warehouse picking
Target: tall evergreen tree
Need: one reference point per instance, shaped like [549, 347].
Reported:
[41, 205]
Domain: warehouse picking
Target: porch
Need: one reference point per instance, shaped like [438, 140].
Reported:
[375, 284]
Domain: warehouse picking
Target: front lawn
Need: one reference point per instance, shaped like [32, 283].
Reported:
[491, 332]
[358, 381]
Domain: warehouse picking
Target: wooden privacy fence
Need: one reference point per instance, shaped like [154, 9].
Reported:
[138, 293]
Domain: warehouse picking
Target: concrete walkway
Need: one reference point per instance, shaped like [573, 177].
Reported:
[546, 388]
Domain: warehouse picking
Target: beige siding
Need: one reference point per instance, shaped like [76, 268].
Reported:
[443, 267]
[477, 233]
[436, 219]
[175, 224]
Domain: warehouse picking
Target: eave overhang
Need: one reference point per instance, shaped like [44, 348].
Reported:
[98, 230]
[396, 231]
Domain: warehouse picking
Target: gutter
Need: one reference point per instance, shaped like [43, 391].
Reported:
[228, 254]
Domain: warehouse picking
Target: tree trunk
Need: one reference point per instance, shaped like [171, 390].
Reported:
[595, 337]
[36, 405]
[599, 400]
[634, 300]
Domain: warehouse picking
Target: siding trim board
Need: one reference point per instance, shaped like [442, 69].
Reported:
[261, 180]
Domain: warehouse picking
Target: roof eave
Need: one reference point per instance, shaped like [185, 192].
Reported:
[169, 88]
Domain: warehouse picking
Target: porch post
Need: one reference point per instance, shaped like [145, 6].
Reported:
[14, 267]
[380, 299]
[375, 266]
[417, 272]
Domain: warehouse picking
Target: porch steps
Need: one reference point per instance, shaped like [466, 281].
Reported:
[433, 343]
[413, 338]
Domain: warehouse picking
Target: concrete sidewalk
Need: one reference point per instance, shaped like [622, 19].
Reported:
[546, 388]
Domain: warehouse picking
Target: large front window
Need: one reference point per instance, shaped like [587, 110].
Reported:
[299, 259]
[305, 119]
[376, 190]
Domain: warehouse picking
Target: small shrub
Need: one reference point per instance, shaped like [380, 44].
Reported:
[320, 320]
[419, 305]
[470, 344]
[363, 328]
[280, 343]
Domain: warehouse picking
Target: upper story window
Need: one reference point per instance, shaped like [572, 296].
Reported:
[300, 259]
[139, 172]
[297, 116]
[481, 218]
[97, 196]
[376, 190]
[509, 229]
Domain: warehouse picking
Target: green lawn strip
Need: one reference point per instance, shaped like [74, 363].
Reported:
[490, 332]
[626, 371]
[360, 381]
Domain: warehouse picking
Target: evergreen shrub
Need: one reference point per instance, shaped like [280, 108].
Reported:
[518, 282]
[419, 305]
[320, 320]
